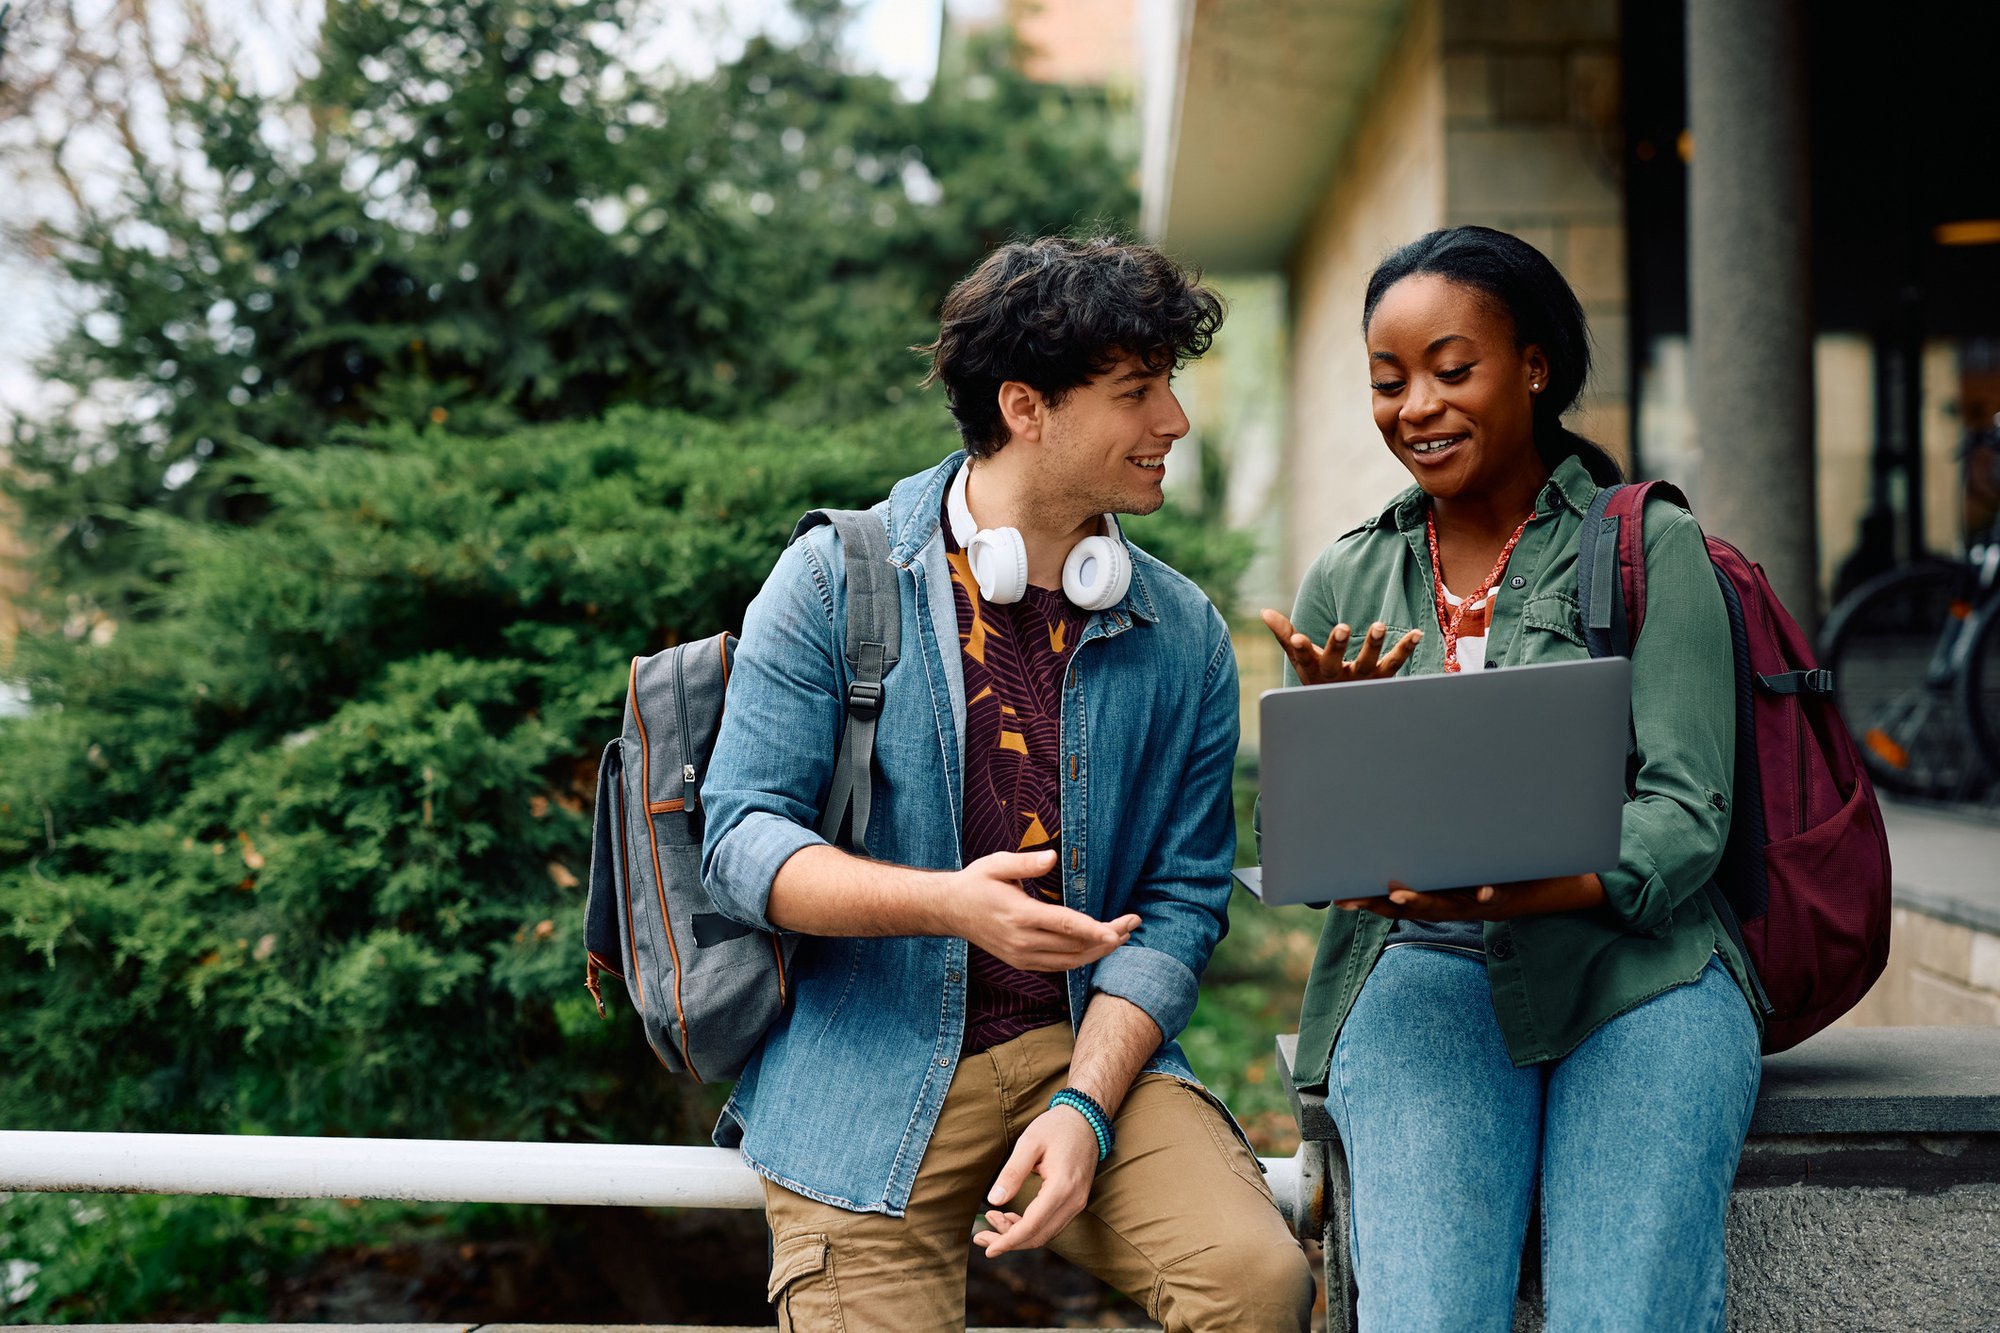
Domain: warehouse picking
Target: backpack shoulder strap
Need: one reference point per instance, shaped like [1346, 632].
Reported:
[874, 641]
[1598, 602]
[1611, 565]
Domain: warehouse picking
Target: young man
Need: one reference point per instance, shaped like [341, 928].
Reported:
[982, 1018]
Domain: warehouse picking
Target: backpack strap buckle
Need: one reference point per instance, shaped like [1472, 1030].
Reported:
[864, 699]
[1817, 681]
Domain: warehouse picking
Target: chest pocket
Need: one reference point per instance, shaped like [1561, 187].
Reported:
[1547, 622]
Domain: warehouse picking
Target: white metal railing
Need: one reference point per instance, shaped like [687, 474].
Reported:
[415, 1170]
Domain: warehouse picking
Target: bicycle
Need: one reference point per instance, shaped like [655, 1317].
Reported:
[1915, 656]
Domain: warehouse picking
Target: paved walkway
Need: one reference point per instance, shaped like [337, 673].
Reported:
[1946, 864]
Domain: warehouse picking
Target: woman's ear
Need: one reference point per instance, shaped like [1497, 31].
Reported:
[1023, 411]
[1537, 363]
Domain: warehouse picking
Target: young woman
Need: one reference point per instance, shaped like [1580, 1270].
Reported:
[1586, 1040]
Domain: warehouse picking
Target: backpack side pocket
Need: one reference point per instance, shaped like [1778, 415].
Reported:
[602, 939]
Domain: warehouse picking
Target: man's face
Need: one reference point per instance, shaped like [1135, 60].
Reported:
[1106, 447]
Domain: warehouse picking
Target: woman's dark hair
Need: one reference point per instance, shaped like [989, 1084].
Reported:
[1520, 281]
[1054, 313]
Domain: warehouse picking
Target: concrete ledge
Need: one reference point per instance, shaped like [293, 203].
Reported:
[1883, 1081]
[1957, 908]
[1944, 862]
[1843, 1081]
[1923, 1163]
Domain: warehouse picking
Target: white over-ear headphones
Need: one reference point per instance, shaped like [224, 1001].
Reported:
[1095, 575]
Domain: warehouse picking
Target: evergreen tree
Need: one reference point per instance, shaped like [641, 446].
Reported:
[476, 213]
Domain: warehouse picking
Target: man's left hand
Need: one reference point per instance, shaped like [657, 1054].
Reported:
[1060, 1148]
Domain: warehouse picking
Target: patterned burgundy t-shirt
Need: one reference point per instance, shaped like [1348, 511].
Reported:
[1014, 658]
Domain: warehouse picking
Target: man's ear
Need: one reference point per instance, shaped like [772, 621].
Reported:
[1023, 411]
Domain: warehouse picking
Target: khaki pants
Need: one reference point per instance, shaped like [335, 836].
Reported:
[1179, 1217]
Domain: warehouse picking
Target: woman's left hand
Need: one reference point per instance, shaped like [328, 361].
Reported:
[1489, 902]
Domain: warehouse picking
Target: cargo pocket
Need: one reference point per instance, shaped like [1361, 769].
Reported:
[1235, 1152]
[802, 1289]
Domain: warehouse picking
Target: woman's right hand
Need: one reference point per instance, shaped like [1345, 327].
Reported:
[1329, 665]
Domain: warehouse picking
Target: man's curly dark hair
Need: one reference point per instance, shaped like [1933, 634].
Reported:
[1056, 312]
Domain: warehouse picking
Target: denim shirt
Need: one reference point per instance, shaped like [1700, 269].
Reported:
[1556, 978]
[840, 1101]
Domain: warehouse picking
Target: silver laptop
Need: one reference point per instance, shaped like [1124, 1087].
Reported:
[1442, 782]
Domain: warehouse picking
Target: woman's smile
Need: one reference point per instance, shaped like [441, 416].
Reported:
[1431, 448]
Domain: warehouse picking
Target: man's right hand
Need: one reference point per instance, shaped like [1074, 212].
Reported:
[989, 905]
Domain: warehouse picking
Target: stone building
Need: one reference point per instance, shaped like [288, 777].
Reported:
[1841, 208]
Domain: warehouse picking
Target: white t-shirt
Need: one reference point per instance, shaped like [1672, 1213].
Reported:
[1472, 629]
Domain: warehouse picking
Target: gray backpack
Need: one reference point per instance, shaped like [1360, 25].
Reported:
[706, 986]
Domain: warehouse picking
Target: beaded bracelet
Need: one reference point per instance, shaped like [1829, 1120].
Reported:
[1085, 1106]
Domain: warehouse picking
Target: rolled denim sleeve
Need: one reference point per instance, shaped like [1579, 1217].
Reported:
[1182, 899]
[1684, 724]
[774, 754]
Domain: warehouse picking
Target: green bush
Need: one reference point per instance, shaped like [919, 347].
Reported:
[88, 1259]
[299, 850]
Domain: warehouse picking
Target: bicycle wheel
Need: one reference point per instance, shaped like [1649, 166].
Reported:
[1979, 684]
[1894, 647]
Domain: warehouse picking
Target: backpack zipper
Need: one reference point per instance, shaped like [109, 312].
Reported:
[625, 876]
[1799, 726]
[681, 698]
[653, 843]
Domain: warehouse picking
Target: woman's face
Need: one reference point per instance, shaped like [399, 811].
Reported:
[1453, 396]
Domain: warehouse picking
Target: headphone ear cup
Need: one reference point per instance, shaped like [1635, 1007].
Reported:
[999, 560]
[1097, 573]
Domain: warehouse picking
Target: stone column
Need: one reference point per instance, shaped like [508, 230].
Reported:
[1750, 288]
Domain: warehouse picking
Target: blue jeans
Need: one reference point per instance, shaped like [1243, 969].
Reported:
[1632, 1138]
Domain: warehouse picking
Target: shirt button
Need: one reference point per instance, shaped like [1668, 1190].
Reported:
[954, 975]
[1517, 582]
[942, 1062]
[1501, 948]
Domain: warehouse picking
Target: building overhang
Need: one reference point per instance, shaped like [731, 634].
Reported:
[1247, 107]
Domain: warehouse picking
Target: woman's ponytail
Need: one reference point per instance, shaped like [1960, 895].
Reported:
[1560, 442]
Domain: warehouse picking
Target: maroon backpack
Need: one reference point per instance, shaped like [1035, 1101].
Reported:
[1804, 880]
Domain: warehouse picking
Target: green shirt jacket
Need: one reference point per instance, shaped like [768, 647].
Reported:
[1557, 977]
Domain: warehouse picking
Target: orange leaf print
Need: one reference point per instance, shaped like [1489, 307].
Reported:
[961, 574]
